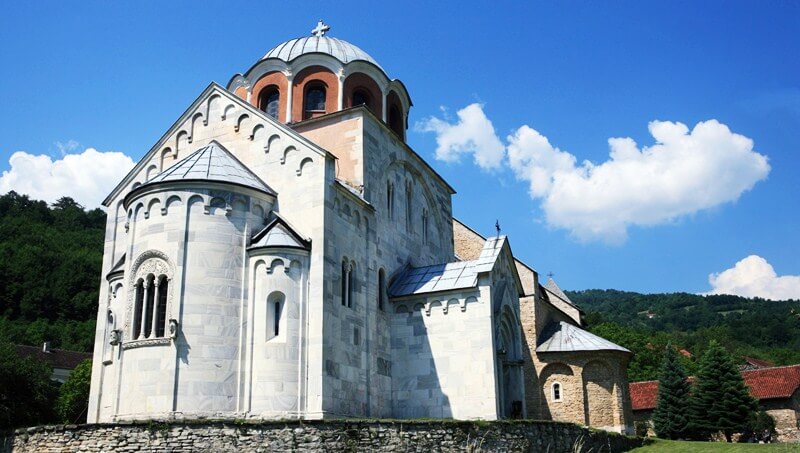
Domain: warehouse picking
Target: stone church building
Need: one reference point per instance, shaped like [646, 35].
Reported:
[281, 252]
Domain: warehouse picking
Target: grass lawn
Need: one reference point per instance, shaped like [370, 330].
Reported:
[659, 445]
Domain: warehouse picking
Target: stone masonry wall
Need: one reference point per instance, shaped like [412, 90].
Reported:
[317, 436]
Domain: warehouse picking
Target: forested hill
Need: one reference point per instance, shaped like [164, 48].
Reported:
[50, 259]
[645, 323]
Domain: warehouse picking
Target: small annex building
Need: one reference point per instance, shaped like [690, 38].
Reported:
[281, 252]
[777, 390]
[62, 361]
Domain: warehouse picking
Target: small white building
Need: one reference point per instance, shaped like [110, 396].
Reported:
[281, 252]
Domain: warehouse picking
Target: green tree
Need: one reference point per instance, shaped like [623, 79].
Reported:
[669, 418]
[720, 400]
[26, 391]
[73, 396]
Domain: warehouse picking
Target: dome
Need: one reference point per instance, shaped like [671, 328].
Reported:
[319, 43]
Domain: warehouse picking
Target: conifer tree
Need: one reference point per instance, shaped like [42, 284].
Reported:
[720, 400]
[670, 419]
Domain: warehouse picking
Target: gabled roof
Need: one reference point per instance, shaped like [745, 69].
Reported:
[764, 384]
[211, 163]
[564, 337]
[279, 233]
[119, 267]
[554, 289]
[56, 358]
[212, 89]
[448, 276]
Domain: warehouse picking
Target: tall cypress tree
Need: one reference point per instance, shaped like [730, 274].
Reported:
[720, 400]
[670, 419]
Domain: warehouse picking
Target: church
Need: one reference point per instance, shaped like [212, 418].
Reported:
[282, 253]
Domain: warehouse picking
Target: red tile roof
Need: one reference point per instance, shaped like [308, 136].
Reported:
[764, 383]
[56, 358]
[643, 394]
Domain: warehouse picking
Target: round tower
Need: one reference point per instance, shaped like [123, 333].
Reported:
[187, 236]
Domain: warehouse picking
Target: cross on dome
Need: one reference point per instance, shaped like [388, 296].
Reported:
[320, 30]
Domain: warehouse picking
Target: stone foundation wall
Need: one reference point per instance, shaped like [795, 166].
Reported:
[317, 436]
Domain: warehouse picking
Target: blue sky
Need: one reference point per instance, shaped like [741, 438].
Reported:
[114, 76]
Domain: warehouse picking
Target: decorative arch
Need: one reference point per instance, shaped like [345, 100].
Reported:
[243, 120]
[150, 266]
[286, 152]
[309, 77]
[151, 172]
[304, 163]
[196, 119]
[401, 166]
[359, 83]
[271, 141]
[599, 389]
[214, 101]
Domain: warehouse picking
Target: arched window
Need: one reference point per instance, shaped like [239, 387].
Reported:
[161, 306]
[381, 289]
[395, 118]
[150, 307]
[348, 283]
[137, 309]
[556, 391]
[269, 101]
[314, 101]
[390, 199]
[275, 303]
[360, 97]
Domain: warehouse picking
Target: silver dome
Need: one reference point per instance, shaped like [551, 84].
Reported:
[341, 50]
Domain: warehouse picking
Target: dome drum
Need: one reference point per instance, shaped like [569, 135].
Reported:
[308, 77]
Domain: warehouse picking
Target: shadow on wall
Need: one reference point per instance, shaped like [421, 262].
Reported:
[417, 389]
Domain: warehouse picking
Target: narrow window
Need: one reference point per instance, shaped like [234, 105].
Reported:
[350, 284]
[424, 226]
[314, 100]
[381, 289]
[149, 306]
[161, 307]
[556, 391]
[276, 321]
[390, 199]
[137, 309]
[345, 283]
[409, 206]
[269, 100]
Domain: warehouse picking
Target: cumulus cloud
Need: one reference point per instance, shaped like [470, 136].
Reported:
[683, 172]
[754, 277]
[86, 177]
[473, 133]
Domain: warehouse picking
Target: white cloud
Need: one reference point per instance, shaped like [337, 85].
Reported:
[67, 147]
[86, 177]
[755, 277]
[684, 172]
[472, 134]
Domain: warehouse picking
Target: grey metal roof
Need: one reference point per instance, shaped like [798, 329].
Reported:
[556, 290]
[337, 48]
[447, 276]
[212, 163]
[565, 337]
[278, 233]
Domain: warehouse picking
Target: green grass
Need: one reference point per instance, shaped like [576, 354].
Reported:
[659, 445]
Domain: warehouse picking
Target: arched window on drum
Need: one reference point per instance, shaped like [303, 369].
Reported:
[269, 100]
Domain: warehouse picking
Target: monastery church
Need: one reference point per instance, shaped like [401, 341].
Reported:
[282, 253]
